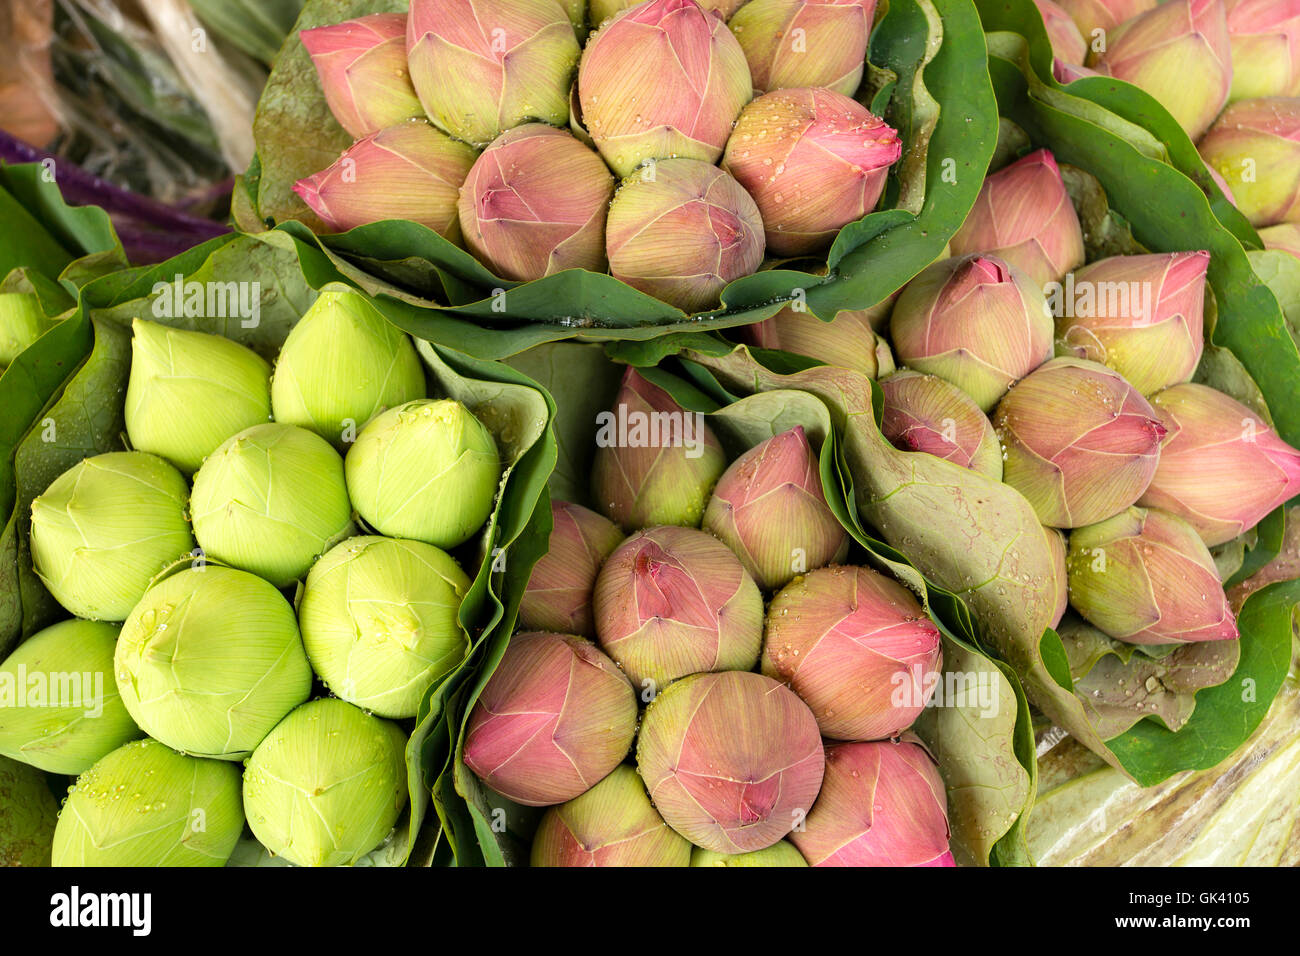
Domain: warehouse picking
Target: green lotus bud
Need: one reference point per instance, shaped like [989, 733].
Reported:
[1145, 577]
[925, 413]
[426, 470]
[681, 231]
[28, 813]
[59, 707]
[327, 785]
[271, 500]
[558, 596]
[342, 365]
[974, 321]
[105, 527]
[1056, 544]
[210, 660]
[849, 340]
[190, 391]
[1079, 442]
[675, 601]
[733, 761]
[1265, 40]
[612, 824]
[379, 619]
[769, 508]
[780, 853]
[1255, 144]
[146, 805]
[655, 462]
[857, 648]
[553, 720]
[22, 322]
[805, 43]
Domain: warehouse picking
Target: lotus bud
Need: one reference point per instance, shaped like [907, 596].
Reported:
[190, 391]
[1104, 15]
[362, 67]
[1265, 40]
[146, 805]
[973, 321]
[925, 413]
[342, 365]
[1285, 236]
[558, 596]
[674, 601]
[1024, 216]
[426, 470]
[655, 462]
[1143, 576]
[1066, 73]
[271, 500]
[682, 234]
[481, 67]
[1056, 544]
[327, 785]
[733, 761]
[1179, 53]
[1143, 316]
[553, 720]
[805, 43]
[769, 508]
[379, 619]
[408, 171]
[105, 527]
[210, 660]
[59, 707]
[28, 816]
[856, 647]
[577, 13]
[612, 824]
[1222, 468]
[882, 804]
[535, 203]
[780, 853]
[1220, 182]
[849, 340]
[22, 322]
[814, 160]
[602, 10]
[662, 79]
[1080, 443]
[1067, 42]
[1255, 144]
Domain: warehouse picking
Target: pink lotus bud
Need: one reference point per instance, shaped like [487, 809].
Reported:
[1104, 15]
[768, 508]
[881, 804]
[1067, 42]
[535, 204]
[974, 321]
[1024, 216]
[1143, 316]
[1255, 144]
[675, 601]
[558, 596]
[602, 10]
[362, 67]
[1056, 544]
[1069, 72]
[1144, 577]
[555, 717]
[1222, 468]
[1179, 53]
[1284, 236]
[408, 171]
[805, 43]
[612, 824]
[681, 230]
[925, 413]
[814, 160]
[1080, 443]
[481, 67]
[857, 648]
[732, 761]
[655, 462]
[663, 79]
[849, 340]
[1265, 40]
